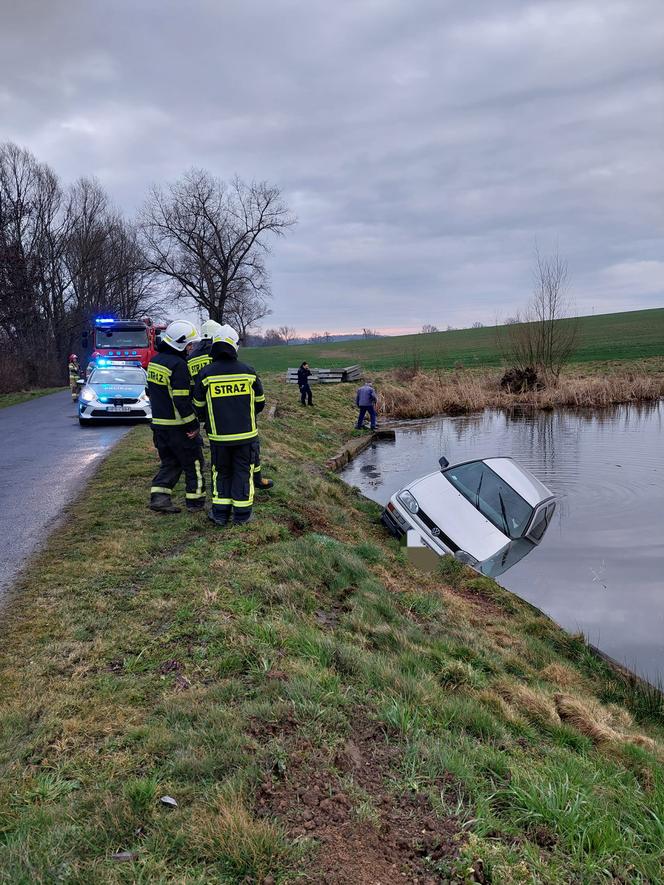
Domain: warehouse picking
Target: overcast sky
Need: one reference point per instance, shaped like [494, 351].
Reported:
[425, 146]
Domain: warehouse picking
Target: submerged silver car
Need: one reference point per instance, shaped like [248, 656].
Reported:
[114, 391]
[488, 513]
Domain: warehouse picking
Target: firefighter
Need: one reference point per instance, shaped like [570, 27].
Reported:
[74, 375]
[175, 427]
[200, 353]
[228, 394]
[197, 360]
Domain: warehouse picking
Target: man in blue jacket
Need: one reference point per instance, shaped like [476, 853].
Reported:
[365, 400]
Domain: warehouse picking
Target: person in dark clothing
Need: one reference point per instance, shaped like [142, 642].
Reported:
[303, 374]
[365, 400]
[228, 395]
[175, 427]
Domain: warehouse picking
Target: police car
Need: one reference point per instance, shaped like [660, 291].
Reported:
[488, 513]
[114, 390]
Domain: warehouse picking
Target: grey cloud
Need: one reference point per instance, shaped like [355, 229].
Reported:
[425, 149]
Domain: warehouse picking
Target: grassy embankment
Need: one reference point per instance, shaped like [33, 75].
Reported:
[312, 701]
[22, 396]
[634, 335]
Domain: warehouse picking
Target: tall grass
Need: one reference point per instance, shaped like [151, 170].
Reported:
[407, 394]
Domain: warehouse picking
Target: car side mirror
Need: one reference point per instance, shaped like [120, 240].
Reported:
[443, 462]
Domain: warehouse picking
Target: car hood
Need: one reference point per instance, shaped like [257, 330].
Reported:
[456, 517]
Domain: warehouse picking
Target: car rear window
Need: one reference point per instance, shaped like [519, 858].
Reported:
[492, 496]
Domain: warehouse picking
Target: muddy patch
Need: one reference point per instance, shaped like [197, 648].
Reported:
[365, 831]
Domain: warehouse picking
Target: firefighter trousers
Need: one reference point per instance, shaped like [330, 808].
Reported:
[233, 480]
[178, 455]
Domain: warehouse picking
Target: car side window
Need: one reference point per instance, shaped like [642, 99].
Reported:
[541, 522]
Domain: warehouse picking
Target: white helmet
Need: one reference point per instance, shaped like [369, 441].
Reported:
[227, 335]
[179, 333]
[210, 329]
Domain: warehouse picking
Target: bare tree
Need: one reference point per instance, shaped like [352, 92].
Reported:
[478, 324]
[272, 337]
[370, 333]
[209, 238]
[287, 333]
[63, 254]
[427, 329]
[244, 310]
[326, 336]
[545, 335]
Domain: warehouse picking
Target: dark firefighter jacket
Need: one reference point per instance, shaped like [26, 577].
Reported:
[199, 358]
[169, 389]
[228, 395]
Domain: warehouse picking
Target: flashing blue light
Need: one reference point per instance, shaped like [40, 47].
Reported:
[103, 399]
[133, 353]
[105, 320]
[103, 362]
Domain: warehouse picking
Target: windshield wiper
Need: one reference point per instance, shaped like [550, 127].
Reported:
[477, 493]
[504, 515]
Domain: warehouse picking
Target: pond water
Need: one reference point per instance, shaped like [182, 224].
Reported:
[600, 567]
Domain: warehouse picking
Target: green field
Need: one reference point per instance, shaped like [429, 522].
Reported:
[613, 336]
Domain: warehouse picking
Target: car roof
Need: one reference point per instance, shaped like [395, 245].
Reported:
[522, 480]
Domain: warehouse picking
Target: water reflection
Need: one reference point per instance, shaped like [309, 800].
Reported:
[599, 568]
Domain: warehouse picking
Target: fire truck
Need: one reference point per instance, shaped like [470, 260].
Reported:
[127, 341]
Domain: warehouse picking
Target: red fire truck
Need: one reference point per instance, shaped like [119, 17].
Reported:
[131, 341]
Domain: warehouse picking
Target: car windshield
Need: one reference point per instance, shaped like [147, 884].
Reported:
[113, 376]
[492, 496]
[113, 337]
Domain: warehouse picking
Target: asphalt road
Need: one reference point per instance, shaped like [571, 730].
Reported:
[45, 459]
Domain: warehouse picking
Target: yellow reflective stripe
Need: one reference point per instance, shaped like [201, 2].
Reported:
[210, 415]
[259, 399]
[250, 499]
[163, 369]
[214, 481]
[198, 403]
[199, 475]
[194, 495]
[156, 490]
[181, 392]
[174, 421]
[229, 437]
[242, 377]
[221, 501]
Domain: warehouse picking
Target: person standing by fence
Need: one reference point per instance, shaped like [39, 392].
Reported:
[365, 400]
[303, 374]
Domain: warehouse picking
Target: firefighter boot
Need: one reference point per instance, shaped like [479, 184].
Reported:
[161, 503]
[196, 506]
[262, 485]
[218, 518]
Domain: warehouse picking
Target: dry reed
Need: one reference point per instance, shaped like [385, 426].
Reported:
[408, 395]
